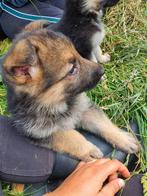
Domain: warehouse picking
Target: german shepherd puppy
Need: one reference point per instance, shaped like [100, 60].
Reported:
[46, 78]
[82, 23]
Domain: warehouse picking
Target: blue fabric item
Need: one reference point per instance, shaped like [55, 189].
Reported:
[25, 16]
[13, 19]
[18, 3]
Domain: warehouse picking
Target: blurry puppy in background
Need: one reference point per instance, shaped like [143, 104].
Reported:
[82, 23]
[46, 79]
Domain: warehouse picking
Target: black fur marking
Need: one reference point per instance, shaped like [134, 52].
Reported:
[80, 26]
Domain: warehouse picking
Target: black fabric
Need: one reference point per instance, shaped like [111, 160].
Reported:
[21, 161]
[133, 187]
[58, 3]
[12, 25]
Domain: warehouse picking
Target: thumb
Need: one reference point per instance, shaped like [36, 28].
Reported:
[112, 187]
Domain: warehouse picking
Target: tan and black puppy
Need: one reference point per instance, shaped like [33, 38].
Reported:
[46, 79]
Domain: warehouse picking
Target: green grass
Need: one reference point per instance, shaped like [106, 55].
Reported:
[122, 94]
[3, 49]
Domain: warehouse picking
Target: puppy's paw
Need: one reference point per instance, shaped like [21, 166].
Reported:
[128, 143]
[105, 58]
[92, 153]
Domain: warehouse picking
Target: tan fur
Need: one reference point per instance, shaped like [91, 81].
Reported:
[73, 143]
[53, 96]
[22, 50]
[98, 123]
[90, 4]
[18, 58]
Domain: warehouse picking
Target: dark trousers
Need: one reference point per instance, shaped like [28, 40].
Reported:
[132, 188]
[12, 25]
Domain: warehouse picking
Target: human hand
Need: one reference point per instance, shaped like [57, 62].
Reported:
[88, 179]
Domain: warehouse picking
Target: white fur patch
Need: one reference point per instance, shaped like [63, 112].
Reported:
[90, 4]
[98, 37]
[96, 40]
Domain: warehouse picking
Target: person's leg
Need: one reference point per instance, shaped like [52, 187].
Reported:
[23, 162]
[58, 3]
[12, 25]
[133, 187]
[38, 189]
[20, 160]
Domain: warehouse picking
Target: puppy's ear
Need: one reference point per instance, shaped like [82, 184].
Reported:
[21, 64]
[39, 24]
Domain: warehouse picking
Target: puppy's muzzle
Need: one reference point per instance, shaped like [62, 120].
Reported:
[99, 72]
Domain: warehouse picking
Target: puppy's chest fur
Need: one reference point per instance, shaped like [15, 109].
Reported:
[40, 122]
[98, 35]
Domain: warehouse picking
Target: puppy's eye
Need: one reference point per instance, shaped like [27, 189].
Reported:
[73, 70]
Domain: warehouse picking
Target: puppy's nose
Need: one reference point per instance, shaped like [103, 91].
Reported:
[100, 70]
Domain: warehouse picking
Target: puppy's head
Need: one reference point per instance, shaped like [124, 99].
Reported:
[45, 65]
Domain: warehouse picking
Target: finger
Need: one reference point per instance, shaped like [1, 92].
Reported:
[122, 169]
[112, 177]
[111, 167]
[112, 187]
[80, 164]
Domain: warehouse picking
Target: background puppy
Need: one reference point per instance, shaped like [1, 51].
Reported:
[82, 23]
[45, 78]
